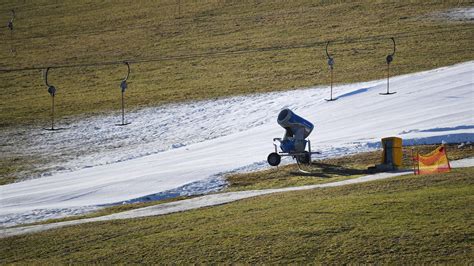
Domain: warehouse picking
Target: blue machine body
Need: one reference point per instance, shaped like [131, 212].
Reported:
[288, 146]
[297, 130]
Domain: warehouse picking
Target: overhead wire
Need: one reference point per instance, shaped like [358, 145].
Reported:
[235, 52]
[180, 22]
[188, 20]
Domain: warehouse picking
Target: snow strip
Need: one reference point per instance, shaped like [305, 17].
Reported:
[459, 14]
[207, 201]
[184, 149]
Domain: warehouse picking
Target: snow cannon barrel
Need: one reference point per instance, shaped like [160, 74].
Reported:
[295, 125]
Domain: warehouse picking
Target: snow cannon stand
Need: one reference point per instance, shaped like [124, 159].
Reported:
[294, 142]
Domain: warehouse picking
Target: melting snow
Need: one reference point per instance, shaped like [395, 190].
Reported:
[185, 149]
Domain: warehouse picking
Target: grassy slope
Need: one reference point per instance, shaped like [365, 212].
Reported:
[49, 33]
[404, 219]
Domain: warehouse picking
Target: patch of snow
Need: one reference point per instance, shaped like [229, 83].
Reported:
[39, 215]
[92, 141]
[201, 187]
[462, 163]
[459, 14]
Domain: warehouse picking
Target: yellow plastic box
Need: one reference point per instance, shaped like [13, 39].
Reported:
[392, 151]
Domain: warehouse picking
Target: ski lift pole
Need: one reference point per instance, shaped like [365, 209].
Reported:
[331, 84]
[52, 112]
[52, 92]
[123, 110]
[331, 67]
[123, 86]
[389, 60]
[388, 78]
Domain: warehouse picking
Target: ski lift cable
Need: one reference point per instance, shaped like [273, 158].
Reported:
[221, 53]
[147, 60]
[140, 26]
[154, 27]
[150, 27]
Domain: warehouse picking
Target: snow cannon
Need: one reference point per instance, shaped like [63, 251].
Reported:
[294, 142]
[295, 125]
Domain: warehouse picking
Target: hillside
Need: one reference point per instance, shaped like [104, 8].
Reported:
[208, 79]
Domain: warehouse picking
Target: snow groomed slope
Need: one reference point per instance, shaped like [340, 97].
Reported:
[429, 107]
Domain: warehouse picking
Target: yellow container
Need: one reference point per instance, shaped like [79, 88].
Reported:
[392, 151]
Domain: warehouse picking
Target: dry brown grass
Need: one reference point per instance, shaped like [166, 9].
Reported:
[210, 49]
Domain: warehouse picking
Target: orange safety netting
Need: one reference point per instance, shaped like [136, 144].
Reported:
[434, 162]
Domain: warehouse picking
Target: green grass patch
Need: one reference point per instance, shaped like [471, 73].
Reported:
[11, 167]
[211, 48]
[409, 219]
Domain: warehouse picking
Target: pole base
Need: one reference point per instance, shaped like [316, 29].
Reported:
[123, 124]
[330, 100]
[387, 93]
[54, 129]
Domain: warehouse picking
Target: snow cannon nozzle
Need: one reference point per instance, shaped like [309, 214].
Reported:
[283, 114]
[295, 125]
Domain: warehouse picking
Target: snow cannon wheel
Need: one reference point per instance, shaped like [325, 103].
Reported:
[274, 159]
[304, 159]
